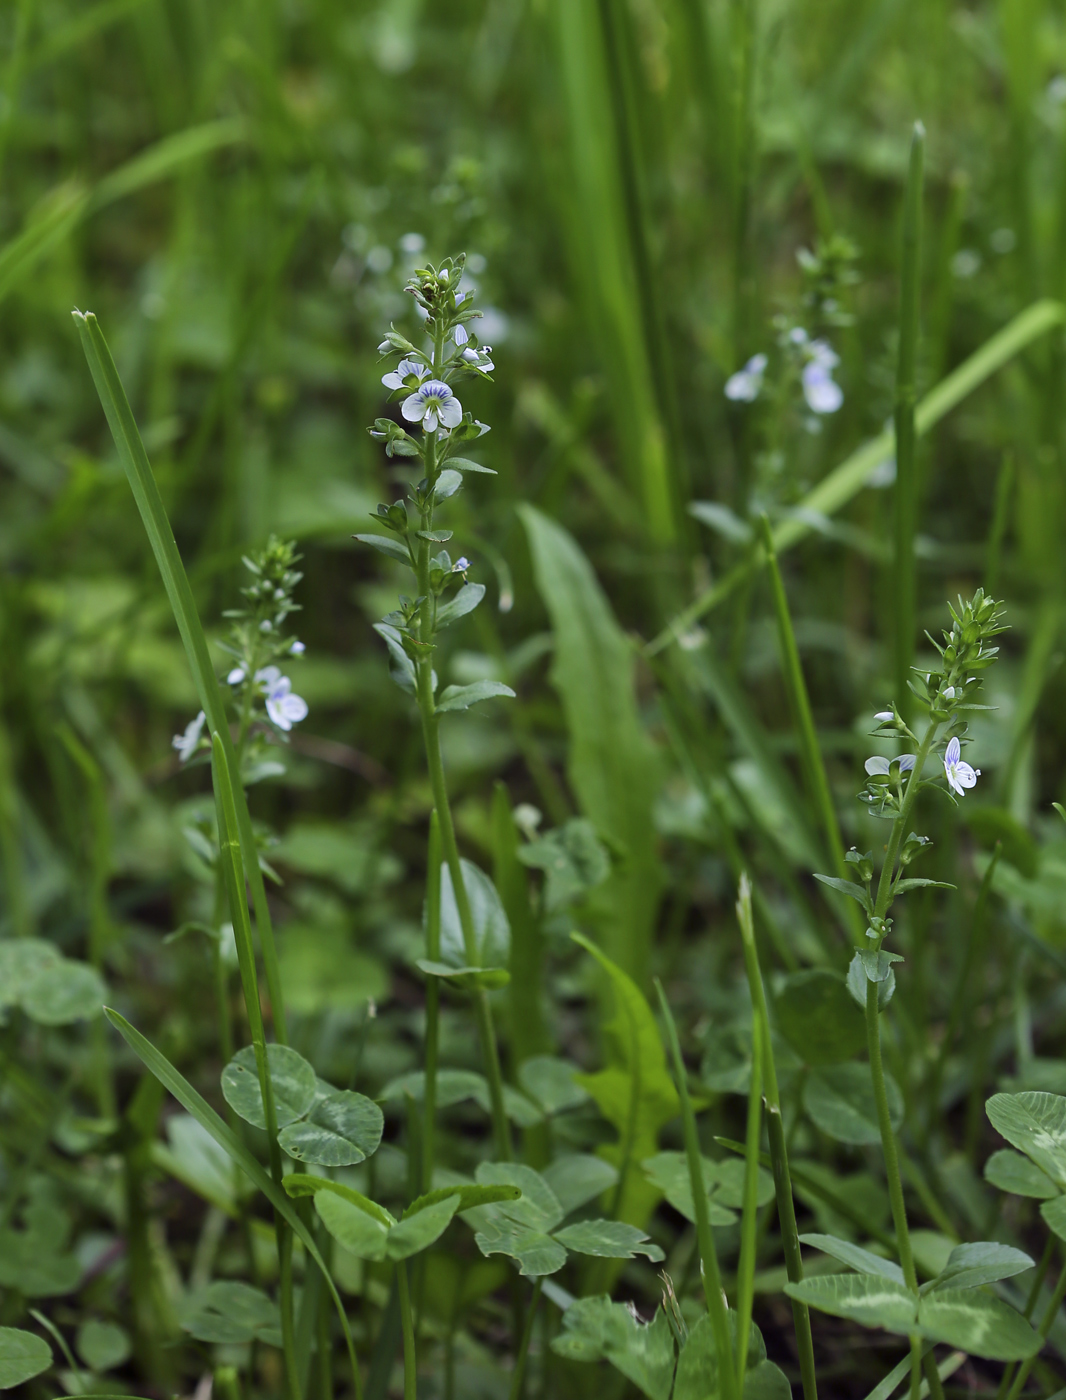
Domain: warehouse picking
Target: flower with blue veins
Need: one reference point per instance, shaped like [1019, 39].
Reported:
[744, 386]
[283, 707]
[431, 405]
[820, 389]
[406, 371]
[460, 334]
[187, 743]
[878, 766]
[961, 777]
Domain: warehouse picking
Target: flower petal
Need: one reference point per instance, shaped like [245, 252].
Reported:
[966, 776]
[429, 422]
[460, 335]
[413, 408]
[392, 381]
[876, 765]
[451, 412]
[953, 752]
[906, 762]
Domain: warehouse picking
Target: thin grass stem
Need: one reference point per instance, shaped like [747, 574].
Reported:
[432, 1001]
[518, 1376]
[1044, 1328]
[410, 1359]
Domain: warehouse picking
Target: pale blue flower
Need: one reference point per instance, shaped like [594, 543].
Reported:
[480, 358]
[878, 766]
[744, 386]
[404, 371]
[460, 334]
[297, 649]
[883, 716]
[283, 707]
[461, 565]
[960, 775]
[433, 403]
[187, 743]
[236, 675]
[822, 392]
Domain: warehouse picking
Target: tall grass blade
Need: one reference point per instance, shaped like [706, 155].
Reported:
[161, 537]
[712, 1278]
[611, 765]
[434, 861]
[903, 602]
[843, 483]
[786, 1209]
[176, 1083]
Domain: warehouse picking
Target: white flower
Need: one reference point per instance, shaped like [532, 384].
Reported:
[959, 774]
[236, 675]
[403, 371]
[798, 336]
[822, 392]
[884, 716]
[384, 347]
[433, 403]
[480, 358]
[284, 708]
[744, 386]
[187, 743]
[297, 649]
[881, 766]
[460, 334]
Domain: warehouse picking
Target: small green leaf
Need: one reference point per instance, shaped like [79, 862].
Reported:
[902, 886]
[578, 1178]
[293, 1081]
[766, 1382]
[418, 1231]
[232, 1314]
[463, 602]
[861, 1260]
[865, 1298]
[972, 1265]
[492, 932]
[447, 484]
[464, 464]
[21, 959]
[1054, 1213]
[535, 1252]
[643, 1352]
[607, 1239]
[22, 1356]
[386, 545]
[697, 1366]
[351, 1226]
[461, 697]
[1036, 1125]
[877, 966]
[63, 992]
[840, 1101]
[857, 984]
[469, 1197]
[301, 1184]
[551, 1082]
[538, 1207]
[342, 1129]
[102, 1345]
[818, 1017]
[848, 887]
[403, 668]
[669, 1172]
[1012, 1172]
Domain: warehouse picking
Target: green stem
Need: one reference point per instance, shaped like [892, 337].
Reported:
[932, 1375]
[1043, 1329]
[712, 1278]
[1030, 1303]
[749, 1220]
[904, 592]
[432, 1001]
[410, 1363]
[519, 1373]
[786, 1207]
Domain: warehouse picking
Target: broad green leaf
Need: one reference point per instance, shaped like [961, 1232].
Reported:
[22, 1356]
[205, 1115]
[469, 1197]
[978, 1323]
[469, 978]
[573, 859]
[537, 1208]
[293, 1080]
[35, 1260]
[579, 1178]
[840, 1100]
[669, 1172]
[612, 766]
[342, 1129]
[21, 959]
[697, 1365]
[634, 1093]
[351, 1226]
[403, 668]
[1010, 1171]
[865, 1298]
[463, 602]
[63, 992]
[818, 1017]
[1036, 1125]
[766, 1382]
[301, 1184]
[387, 544]
[457, 1085]
[643, 1352]
[447, 484]
[461, 697]
[862, 1260]
[417, 1231]
[730, 1189]
[857, 980]
[607, 1239]
[552, 1082]
[232, 1314]
[536, 1253]
[102, 1345]
[971, 1265]
[464, 464]
[1054, 1213]
[492, 932]
[848, 887]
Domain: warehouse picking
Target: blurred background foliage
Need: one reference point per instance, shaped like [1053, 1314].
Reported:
[649, 192]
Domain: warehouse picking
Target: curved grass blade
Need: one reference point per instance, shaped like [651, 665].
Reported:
[153, 513]
[176, 1083]
[847, 480]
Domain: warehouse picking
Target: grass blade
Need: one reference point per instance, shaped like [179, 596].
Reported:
[712, 1278]
[904, 584]
[847, 480]
[176, 1083]
[433, 869]
[786, 1209]
[175, 580]
[749, 1220]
